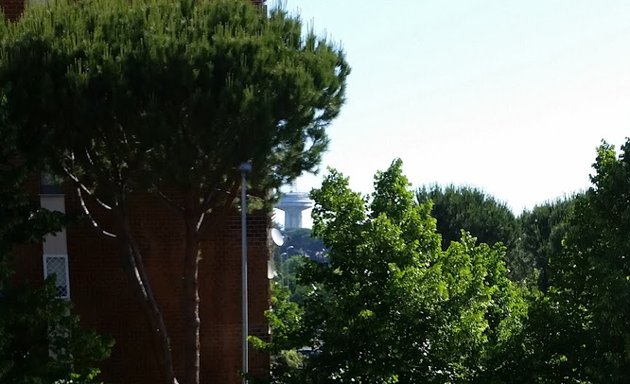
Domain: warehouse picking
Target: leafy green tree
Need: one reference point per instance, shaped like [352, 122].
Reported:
[470, 209]
[285, 322]
[576, 332]
[590, 284]
[538, 351]
[287, 298]
[287, 270]
[541, 233]
[169, 98]
[290, 257]
[41, 342]
[391, 305]
[485, 218]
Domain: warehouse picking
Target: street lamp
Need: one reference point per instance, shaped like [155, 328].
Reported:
[244, 168]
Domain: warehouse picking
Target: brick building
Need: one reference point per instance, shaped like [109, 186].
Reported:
[12, 9]
[89, 272]
[88, 267]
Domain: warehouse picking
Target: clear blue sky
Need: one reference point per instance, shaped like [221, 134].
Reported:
[510, 96]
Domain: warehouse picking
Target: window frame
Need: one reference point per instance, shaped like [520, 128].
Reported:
[48, 256]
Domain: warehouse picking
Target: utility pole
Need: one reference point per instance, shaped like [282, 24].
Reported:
[244, 168]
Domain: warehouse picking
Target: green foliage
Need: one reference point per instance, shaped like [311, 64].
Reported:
[541, 233]
[287, 298]
[392, 306]
[284, 317]
[41, 342]
[470, 209]
[591, 279]
[33, 321]
[576, 331]
[119, 89]
[285, 322]
[298, 246]
[474, 211]
[21, 219]
[287, 275]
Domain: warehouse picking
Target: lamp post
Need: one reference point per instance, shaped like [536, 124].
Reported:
[244, 168]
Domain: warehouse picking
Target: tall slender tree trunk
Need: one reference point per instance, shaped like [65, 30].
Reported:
[191, 293]
[137, 275]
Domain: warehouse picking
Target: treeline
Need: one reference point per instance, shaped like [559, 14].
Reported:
[530, 239]
[446, 285]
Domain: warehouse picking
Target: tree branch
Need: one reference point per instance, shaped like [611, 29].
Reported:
[221, 209]
[86, 210]
[81, 187]
[169, 202]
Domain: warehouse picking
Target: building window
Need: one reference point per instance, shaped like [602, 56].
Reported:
[50, 185]
[57, 265]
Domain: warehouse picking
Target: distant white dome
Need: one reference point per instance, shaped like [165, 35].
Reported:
[293, 203]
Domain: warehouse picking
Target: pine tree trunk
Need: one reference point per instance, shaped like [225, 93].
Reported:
[136, 272]
[191, 296]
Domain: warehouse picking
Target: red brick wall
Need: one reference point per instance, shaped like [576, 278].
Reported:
[12, 9]
[103, 298]
[29, 267]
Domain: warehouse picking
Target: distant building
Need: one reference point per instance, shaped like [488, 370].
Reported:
[293, 204]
